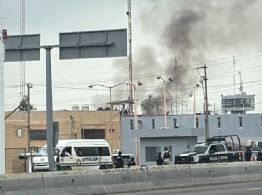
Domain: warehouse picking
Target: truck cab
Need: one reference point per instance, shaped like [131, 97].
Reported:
[216, 149]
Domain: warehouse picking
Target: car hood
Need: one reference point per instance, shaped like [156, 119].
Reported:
[188, 154]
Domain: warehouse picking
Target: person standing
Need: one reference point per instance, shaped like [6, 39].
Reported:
[248, 153]
[132, 162]
[159, 159]
[119, 160]
[166, 156]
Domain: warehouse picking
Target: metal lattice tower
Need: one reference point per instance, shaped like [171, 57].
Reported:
[130, 54]
[22, 63]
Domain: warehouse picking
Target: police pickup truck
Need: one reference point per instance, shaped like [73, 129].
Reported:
[216, 149]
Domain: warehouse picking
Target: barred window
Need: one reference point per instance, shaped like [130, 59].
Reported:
[153, 124]
[131, 124]
[218, 122]
[38, 134]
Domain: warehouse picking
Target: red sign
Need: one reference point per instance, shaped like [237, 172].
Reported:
[4, 34]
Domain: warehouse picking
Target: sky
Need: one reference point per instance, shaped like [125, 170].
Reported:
[170, 39]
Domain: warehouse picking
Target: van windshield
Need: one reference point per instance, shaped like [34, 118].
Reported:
[42, 152]
[92, 151]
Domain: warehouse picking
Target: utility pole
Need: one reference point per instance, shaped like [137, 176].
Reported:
[29, 86]
[205, 103]
[176, 83]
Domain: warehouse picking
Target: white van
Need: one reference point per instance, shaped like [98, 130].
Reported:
[94, 153]
[76, 152]
[40, 160]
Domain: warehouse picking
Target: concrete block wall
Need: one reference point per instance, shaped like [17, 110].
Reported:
[129, 179]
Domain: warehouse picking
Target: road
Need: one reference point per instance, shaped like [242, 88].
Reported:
[254, 188]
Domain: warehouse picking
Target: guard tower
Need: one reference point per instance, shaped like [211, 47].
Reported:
[238, 104]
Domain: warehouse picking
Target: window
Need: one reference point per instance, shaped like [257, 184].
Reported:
[196, 122]
[131, 124]
[261, 121]
[218, 122]
[67, 151]
[38, 134]
[140, 124]
[153, 124]
[240, 122]
[220, 148]
[92, 151]
[175, 123]
[151, 153]
[93, 133]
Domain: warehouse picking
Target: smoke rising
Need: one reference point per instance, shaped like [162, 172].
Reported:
[188, 31]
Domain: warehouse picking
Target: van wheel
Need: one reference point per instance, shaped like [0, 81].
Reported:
[78, 163]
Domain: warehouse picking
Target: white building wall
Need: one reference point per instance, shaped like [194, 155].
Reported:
[251, 129]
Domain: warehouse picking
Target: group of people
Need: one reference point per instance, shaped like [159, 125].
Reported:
[119, 162]
[163, 159]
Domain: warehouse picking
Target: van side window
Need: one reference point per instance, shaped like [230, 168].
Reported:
[92, 151]
[79, 152]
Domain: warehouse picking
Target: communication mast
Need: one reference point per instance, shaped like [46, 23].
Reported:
[241, 83]
[130, 55]
[22, 63]
[234, 79]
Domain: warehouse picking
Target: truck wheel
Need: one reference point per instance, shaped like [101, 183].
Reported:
[202, 161]
[78, 162]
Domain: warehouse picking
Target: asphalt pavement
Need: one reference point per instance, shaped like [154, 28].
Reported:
[252, 188]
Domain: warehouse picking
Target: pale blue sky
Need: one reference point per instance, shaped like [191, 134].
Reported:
[223, 30]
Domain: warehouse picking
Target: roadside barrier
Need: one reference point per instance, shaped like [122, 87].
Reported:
[129, 179]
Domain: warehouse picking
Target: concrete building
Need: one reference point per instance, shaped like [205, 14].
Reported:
[149, 138]
[181, 132]
[72, 124]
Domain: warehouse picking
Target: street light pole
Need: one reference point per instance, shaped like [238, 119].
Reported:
[194, 107]
[165, 118]
[110, 101]
[165, 123]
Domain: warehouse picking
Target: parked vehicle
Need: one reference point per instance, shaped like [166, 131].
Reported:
[217, 149]
[126, 159]
[94, 153]
[40, 160]
[256, 155]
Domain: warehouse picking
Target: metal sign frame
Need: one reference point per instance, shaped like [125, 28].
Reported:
[22, 48]
[93, 44]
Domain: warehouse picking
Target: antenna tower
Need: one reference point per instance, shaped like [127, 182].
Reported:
[22, 63]
[130, 56]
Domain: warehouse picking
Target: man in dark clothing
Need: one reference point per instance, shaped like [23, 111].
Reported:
[248, 153]
[132, 162]
[159, 159]
[119, 160]
[166, 156]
